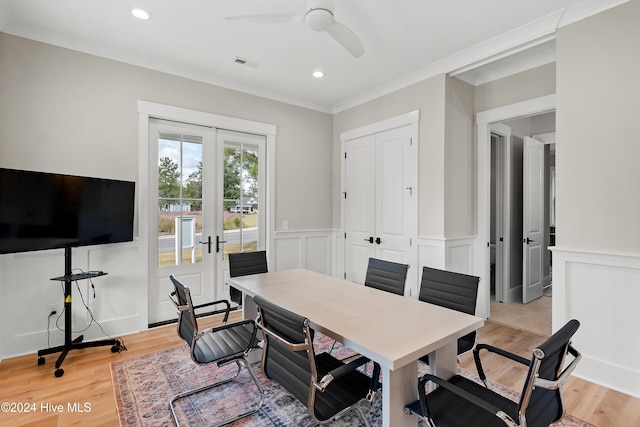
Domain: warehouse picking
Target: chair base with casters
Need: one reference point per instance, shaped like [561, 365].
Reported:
[222, 345]
[460, 402]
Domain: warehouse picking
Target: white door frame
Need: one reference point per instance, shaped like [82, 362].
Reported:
[503, 214]
[411, 118]
[147, 110]
[483, 119]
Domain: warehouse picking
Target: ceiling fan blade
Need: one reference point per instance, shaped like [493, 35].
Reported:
[271, 18]
[347, 38]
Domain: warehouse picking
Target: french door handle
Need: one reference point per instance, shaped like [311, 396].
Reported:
[218, 241]
[378, 241]
[529, 241]
[370, 240]
[208, 243]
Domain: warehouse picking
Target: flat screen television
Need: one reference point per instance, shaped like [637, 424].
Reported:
[47, 211]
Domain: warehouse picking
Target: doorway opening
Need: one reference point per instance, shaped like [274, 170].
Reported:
[522, 221]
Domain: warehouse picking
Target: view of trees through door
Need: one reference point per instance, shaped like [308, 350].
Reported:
[240, 223]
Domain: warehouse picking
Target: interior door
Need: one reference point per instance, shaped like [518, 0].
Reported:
[380, 205]
[533, 219]
[396, 202]
[360, 206]
[182, 173]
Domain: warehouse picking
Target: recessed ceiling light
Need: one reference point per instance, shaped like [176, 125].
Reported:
[318, 74]
[140, 13]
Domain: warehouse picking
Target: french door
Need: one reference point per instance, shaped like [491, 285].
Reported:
[242, 186]
[181, 214]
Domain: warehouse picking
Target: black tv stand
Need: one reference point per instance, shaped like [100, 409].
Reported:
[77, 343]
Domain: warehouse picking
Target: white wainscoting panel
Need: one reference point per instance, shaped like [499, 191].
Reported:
[304, 249]
[602, 291]
[453, 253]
[119, 305]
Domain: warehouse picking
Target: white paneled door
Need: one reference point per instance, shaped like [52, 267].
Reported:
[380, 201]
[533, 219]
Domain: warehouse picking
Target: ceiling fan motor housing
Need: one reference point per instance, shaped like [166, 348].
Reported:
[319, 19]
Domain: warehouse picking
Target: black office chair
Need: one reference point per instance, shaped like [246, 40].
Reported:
[386, 276]
[222, 344]
[456, 291]
[243, 264]
[463, 402]
[324, 384]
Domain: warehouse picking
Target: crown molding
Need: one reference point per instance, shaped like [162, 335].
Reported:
[518, 40]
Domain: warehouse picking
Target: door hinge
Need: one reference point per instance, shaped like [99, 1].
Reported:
[345, 235]
[411, 141]
[410, 242]
[344, 275]
[345, 154]
[345, 194]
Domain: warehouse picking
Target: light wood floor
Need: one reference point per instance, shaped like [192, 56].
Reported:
[87, 379]
[533, 317]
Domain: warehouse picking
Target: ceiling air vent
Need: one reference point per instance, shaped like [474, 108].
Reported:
[246, 62]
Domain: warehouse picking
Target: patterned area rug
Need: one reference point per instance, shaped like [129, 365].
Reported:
[143, 386]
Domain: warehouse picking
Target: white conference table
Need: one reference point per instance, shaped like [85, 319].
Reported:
[390, 329]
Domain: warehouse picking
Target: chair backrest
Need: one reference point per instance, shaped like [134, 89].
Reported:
[543, 406]
[187, 324]
[289, 366]
[456, 291]
[245, 263]
[386, 275]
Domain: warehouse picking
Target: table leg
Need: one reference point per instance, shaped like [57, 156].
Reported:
[444, 361]
[399, 387]
[250, 311]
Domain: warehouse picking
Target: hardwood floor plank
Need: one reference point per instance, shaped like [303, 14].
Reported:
[87, 379]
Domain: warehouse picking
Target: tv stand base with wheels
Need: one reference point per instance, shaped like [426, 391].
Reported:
[77, 343]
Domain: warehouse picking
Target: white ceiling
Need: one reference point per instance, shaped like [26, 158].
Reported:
[404, 40]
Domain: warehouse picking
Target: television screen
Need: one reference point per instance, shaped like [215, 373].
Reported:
[46, 211]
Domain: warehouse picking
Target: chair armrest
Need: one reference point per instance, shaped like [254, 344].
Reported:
[292, 346]
[208, 304]
[226, 310]
[340, 372]
[553, 385]
[422, 381]
[498, 351]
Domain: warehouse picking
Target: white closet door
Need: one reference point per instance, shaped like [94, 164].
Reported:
[360, 204]
[380, 206]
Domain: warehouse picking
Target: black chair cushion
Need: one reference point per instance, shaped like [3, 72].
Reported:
[224, 344]
[447, 410]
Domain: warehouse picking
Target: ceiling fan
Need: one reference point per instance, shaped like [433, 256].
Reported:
[318, 17]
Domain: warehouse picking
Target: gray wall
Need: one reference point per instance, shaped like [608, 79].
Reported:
[598, 207]
[65, 111]
[446, 159]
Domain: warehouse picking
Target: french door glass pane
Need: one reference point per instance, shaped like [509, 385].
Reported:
[179, 199]
[240, 198]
